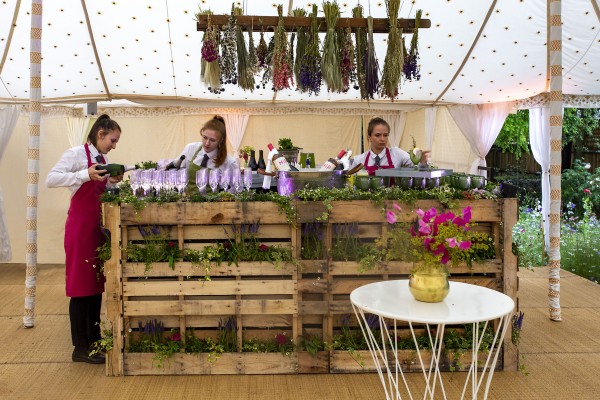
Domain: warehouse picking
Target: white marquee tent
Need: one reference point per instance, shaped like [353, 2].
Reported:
[141, 60]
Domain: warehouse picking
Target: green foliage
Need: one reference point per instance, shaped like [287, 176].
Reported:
[280, 343]
[146, 165]
[156, 247]
[106, 339]
[514, 135]
[286, 144]
[459, 342]
[579, 183]
[152, 339]
[579, 124]
[312, 344]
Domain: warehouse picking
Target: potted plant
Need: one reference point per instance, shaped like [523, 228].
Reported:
[288, 150]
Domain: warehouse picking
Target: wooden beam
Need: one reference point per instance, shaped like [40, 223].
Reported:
[380, 25]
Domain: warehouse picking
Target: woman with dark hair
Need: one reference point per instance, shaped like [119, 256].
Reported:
[77, 171]
[210, 153]
[379, 156]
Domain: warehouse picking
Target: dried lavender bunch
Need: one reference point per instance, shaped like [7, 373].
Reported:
[330, 63]
[347, 65]
[211, 70]
[228, 60]
[394, 58]
[360, 37]
[310, 64]
[282, 70]
[252, 57]
[371, 64]
[262, 51]
[301, 42]
[244, 73]
[411, 66]
[267, 75]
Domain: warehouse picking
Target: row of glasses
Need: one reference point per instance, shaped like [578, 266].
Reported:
[155, 180]
[228, 179]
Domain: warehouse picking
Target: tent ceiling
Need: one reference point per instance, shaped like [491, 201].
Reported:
[150, 50]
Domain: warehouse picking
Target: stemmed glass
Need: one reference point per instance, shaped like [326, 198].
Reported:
[171, 179]
[225, 178]
[147, 180]
[248, 178]
[158, 180]
[213, 179]
[236, 180]
[182, 179]
[202, 179]
[135, 180]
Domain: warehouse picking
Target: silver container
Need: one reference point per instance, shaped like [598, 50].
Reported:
[290, 181]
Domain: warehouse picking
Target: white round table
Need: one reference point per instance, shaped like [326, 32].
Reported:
[392, 301]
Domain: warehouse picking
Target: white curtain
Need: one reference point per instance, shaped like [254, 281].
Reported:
[430, 117]
[77, 130]
[8, 120]
[480, 124]
[539, 136]
[236, 128]
[397, 123]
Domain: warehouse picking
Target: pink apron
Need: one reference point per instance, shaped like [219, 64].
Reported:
[371, 169]
[82, 237]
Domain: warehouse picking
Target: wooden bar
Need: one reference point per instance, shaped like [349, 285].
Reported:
[302, 298]
[380, 25]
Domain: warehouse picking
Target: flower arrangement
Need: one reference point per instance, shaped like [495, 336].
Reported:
[442, 238]
[157, 247]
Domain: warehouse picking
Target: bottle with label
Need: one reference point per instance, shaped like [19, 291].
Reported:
[344, 163]
[261, 161]
[252, 164]
[175, 163]
[279, 161]
[115, 169]
[332, 163]
[307, 162]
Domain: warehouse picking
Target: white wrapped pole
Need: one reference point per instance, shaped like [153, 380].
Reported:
[33, 160]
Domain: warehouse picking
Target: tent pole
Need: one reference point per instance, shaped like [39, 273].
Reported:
[556, 120]
[33, 160]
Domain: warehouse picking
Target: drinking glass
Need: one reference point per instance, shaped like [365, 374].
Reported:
[158, 180]
[146, 178]
[135, 180]
[236, 180]
[248, 178]
[171, 179]
[202, 179]
[225, 178]
[213, 179]
[182, 179]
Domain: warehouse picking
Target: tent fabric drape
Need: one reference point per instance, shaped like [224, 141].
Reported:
[430, 117]
[236, 128]
[481, 125]
[397, 123]
[539, 135]
[77, 130]
[8, 119]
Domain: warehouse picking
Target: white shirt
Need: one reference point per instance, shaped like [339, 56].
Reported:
[400, 158]
[71, 170]
[190, 149]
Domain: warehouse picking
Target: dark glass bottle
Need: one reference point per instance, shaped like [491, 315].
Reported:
[252, 161]
[307, 162]
[261, 160]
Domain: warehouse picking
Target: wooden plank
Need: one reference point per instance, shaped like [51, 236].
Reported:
[317, 364]
[244, 268]
[175, 288]
[209, 307]
[224, 232]
[380, 25]
[510, 283]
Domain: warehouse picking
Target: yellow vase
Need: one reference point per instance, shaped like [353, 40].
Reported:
[429, 285]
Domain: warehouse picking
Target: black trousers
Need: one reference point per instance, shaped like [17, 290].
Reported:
[84, 313]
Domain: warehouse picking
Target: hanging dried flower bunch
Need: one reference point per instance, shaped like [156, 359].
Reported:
[330, 63]
[360, 37]
[301, 41]
[252, 57]
[210, 69]
[228, 52]
[282, 70]
[268, 74]
[411, 67]
[394, 58]
[262, 50]
[347, 65]
[310, 63]
[371, 64]
[244, 73]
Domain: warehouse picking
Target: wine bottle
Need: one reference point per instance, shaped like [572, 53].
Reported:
[279, 161]
[175, 163]
[332, 163]
[261, 160]
[307, 162]
[115, 169]
[252, 161]
[344, 163]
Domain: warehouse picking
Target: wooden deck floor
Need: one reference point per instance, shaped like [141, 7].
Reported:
[562, 359]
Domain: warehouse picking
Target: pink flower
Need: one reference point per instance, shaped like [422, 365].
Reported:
[391, 217]
[281, 339]
[587, 191]
[464, 245]
[176, 337]
[451, 242]
[263, 247]
[171, 244]
[397, 207]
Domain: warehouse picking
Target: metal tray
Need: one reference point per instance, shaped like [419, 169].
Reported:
[414, 173]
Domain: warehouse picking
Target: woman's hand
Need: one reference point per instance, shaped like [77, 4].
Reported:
[115, 179]
[97, 174]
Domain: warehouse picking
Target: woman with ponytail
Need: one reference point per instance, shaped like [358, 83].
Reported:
[77, 171]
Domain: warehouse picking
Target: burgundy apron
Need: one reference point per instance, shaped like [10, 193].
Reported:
[371, 169]
[82, 237]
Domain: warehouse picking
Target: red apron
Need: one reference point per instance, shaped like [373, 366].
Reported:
[82, 237]
[371, 169]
